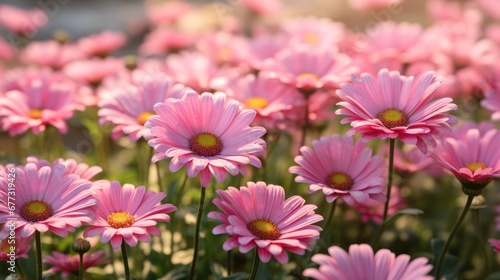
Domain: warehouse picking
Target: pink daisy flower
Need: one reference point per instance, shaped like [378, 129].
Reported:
[207, 134]
[70, 264]
[339, 167]
[263, 7]
[163, 40]
[410, 160]
[93, 71]
[21, 245]
[495, 243]
[361, 263]
[472, 156]
[6, 50]
[259, 216]
[168, 12]
[130, 105]
[373, 4]
[309, 71]
[83, 170]
[128, 214]
[47, 200]
[42, 100]
[490, 7]
[102, 44]
[224, 48]
[51, 54]
[491, 101]
[265, 45]
[23, 22]
[395, 106]
[312, 32]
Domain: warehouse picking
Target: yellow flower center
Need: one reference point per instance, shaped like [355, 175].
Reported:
[311, 38]
[120, 219]
[392, 118]
[35, 114]
[36, 211]
[205, 144]
[143, 117]
[257, 102]
[475, 166]
[264, 229]
[340, 181]
[224, 54]
[308, 76]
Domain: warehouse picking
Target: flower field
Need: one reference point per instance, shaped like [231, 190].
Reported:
[252, 139]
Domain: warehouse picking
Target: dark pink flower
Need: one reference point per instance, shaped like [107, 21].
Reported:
[70, 264]
[102, 44]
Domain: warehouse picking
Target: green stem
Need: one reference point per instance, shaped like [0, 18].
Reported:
[172, 222]
[452, 234]
[229, 262]
[328, 220]
[38, 245]
[112, 257]
[482, 241]
[255, 265]
[125, 260]
[197, 234]
[389, 186]
[80, 268]
[158, 174]
[306, 123]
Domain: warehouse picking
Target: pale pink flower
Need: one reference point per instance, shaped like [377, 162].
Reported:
[374, 210]
[163, 40]
[70, 264]
[167, 12]
[495, 243]
[410, 160]
[224, 48]
[128, 106]
[490, 7]
[361, 263]
[203, 77]
[312, 32]
[207, 134]
[258, 216]
[94, 70]
[128, 214]
[491, 100]
[21, 245]
[47, 200]
[453, 12]
[492, 32]
[340, 167]
[309, 70]
[472, 156]
[102, 44]
[374, 4]
[82, 170]
[263, 46]
[395, 106]
[51, 54]
[270, 98]
[39, 100]
[23, 22]
[263, 7]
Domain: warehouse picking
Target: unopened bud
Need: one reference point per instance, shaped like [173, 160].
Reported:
[81, 245]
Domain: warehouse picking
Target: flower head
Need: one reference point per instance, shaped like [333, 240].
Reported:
[341, 168]
[207, 134]
[22, 21]
[21, 245]
[51, 54]
[472, 156]
[102, 44]
[47, 199]
[70, 264]
[259, 216]
[395, 106]
[361, 263]
[128, 214]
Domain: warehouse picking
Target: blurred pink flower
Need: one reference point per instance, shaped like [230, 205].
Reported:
[167, 12]
[129, 105]
[395, 106]
[102, 44]
[316, 33]
[361, 263]
[6, 50]
[373, 4]
[47, 199]
[83, 170]
[21, 245]
[374, 210]
[128, 214]
[22, 22]
[37, 100]
[258, 216]
[263, 7]
[207, 134]
[490, 7]
[339, 167]
[270, 98]
[164, 40]
[224, 48]
[492, 32]
[472, 156]
[309, 70]
[495, 243]
[491, 85]
[410, 160]
[94, 70]
[51, 54]
[70, 264]
[263, 46]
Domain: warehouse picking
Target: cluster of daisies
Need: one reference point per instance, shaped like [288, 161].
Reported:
[212, 103]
